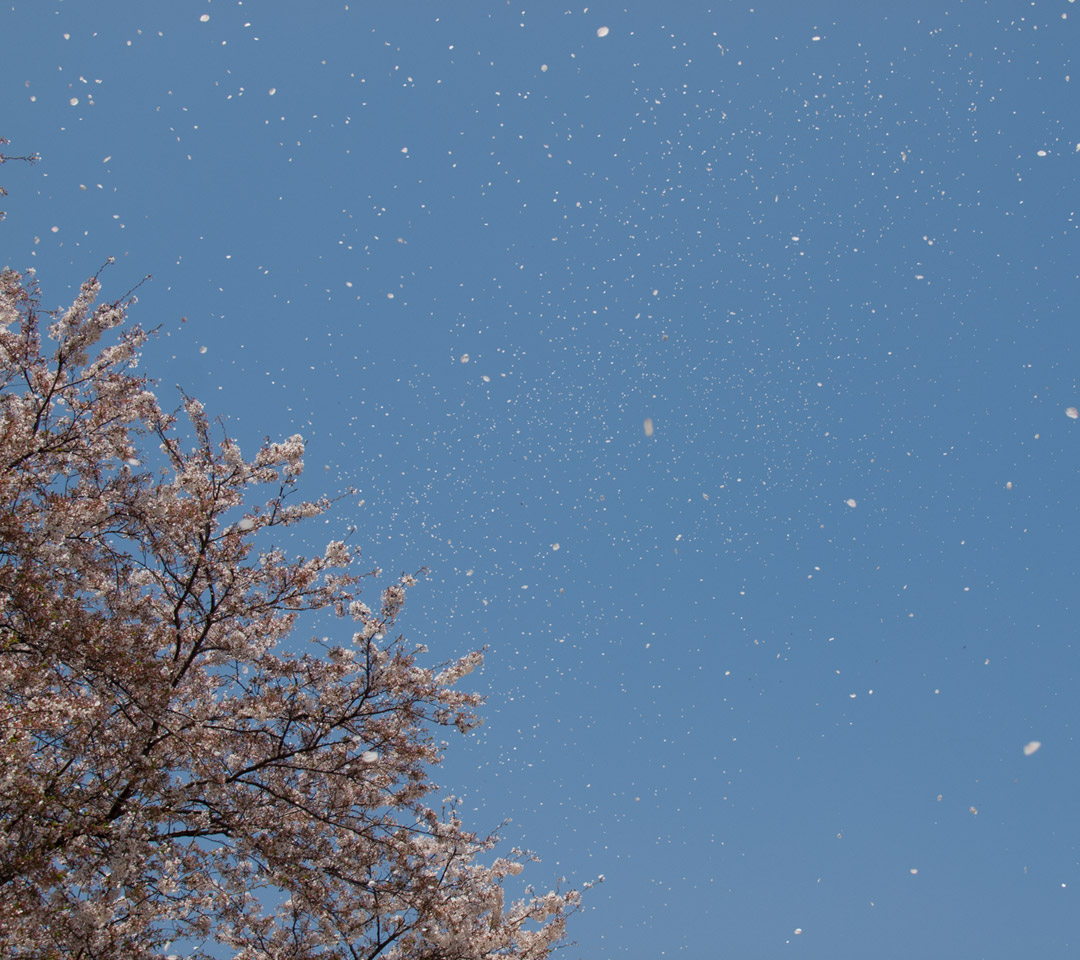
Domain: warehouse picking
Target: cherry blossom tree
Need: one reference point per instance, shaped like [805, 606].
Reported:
[171, 773]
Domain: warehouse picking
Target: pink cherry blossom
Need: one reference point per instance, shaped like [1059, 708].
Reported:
[171, 773]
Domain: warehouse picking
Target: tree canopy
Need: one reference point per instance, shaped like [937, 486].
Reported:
[172, 770]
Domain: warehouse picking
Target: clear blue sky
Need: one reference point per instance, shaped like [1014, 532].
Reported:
[772, 668]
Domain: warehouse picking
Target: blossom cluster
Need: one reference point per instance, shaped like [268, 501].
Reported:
[171, 772]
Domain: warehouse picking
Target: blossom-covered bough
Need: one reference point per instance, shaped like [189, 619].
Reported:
[169, 773]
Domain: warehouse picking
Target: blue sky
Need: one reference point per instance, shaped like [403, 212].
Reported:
[770, 667]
